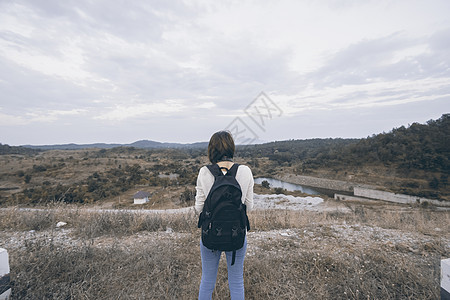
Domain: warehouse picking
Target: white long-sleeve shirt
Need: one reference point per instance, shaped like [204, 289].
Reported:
[205, 181]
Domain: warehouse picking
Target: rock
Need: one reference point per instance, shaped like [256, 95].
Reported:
[61, 224]
[169, 230]
[413, 250]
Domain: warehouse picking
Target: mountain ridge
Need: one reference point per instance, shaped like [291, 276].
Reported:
[144, 144]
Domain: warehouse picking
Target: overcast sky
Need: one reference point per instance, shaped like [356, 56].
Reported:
[78, 71]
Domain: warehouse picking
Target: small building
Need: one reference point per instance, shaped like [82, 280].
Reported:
[141, 197]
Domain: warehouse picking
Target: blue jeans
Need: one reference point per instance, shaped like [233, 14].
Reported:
[210, 265]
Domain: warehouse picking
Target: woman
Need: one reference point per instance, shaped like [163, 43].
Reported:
[221, 151]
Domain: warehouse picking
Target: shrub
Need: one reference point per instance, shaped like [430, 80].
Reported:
[279, 190]
[187, 196]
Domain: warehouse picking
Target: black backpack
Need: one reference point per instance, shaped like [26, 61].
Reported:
[224, 217]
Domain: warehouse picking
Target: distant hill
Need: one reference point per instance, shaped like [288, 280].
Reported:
[418, 146]
[285, 151]
[6, 149]
[143, 144]
[72, 146]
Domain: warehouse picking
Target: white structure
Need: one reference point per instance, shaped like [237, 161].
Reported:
[397, 198]
[341, 197]
[445, 279]
[141, 197]
[5, 289]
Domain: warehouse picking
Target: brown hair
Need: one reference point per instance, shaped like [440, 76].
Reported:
[221, 146]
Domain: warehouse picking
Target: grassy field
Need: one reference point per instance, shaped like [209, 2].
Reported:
[111, 177]
[345, 251]
[100, 177]
[372, 252]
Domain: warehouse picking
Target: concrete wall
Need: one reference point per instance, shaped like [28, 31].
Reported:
[341, 197]
[358, 190]
[329, 184]
[5, 290]
[445, 279]
[397, 198]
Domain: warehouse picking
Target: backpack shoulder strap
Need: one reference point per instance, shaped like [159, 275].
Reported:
[215, 170]
[233, 170]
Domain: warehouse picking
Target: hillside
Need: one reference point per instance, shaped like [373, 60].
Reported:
[419, 146]
[412, 160]
[6, 149]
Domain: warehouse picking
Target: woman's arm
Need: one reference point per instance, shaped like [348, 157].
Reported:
[200, 196]
[249, 196]
[245, 179]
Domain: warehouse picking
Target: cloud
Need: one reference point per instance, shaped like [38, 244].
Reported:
[367, 95]
[157, 109]
[385, 72]
[135, 21]
[116, 65]
[207, 105]
[11, 120]
[394, 57]
[51, 115]
[138, 110]
[37, 116]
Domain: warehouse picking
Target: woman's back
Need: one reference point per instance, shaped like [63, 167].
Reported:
[205, 180]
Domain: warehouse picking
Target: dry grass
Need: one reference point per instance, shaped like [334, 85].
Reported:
[311, 275]
[157, 271]
[114, 260]
[420, 220]
[88, 224]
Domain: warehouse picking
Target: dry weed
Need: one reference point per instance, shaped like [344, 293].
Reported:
[323, 265]
[157, 271]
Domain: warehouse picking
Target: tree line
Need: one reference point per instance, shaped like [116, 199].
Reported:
[418, 146]
[6, 149]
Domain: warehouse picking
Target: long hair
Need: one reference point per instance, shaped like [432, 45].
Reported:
[221, 146]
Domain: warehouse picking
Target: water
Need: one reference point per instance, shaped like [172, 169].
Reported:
[274, 183]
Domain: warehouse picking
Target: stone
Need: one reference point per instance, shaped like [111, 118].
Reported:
[61, 224]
